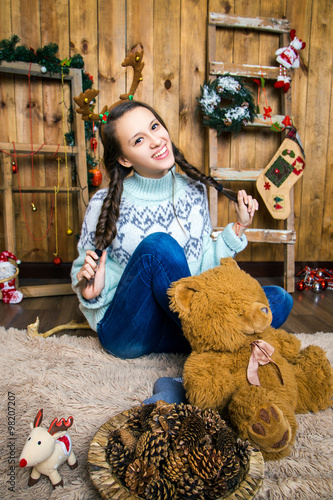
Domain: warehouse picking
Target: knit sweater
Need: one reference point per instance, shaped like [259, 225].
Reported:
[175, 205]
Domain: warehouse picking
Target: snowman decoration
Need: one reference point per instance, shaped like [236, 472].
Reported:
[288, 57]
[9, 293]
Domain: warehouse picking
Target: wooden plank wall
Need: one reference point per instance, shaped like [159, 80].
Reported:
[173, 34]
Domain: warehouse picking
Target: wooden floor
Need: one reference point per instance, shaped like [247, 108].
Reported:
[312, 312]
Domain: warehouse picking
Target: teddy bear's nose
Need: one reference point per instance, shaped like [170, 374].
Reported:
[265, 310]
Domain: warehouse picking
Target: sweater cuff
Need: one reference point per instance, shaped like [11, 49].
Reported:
[234, 242]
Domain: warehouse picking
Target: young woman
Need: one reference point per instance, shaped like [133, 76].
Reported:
[153, 227]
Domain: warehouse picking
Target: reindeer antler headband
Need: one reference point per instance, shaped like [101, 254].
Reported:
[133, 59]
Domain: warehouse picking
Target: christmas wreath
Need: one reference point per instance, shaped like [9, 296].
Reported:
[226, 105]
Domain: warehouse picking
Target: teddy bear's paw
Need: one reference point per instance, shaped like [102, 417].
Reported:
[270, 429]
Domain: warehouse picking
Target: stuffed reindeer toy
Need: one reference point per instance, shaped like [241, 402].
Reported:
[47, 449]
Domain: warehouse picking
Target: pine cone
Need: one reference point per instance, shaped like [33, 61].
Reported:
[145, 416]
[164, 419]
[137, 420]
[128, 438]
[151, 447]
[160, 489]
[213, 421]
[226, 440]
[119, 458]
[205, 462]
[191, 432]
[138, 475]
[244, 449]
[191, 488]
[184, 410]
[174, 466]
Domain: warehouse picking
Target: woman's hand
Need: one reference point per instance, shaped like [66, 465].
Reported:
[95, 274]
[245, 209]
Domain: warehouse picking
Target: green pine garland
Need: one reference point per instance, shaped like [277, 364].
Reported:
[226, 105]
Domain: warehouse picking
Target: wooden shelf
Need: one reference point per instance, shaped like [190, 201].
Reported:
[39, 148]
[74, 78]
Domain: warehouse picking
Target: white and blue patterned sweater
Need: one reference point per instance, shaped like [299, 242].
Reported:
[149, 206]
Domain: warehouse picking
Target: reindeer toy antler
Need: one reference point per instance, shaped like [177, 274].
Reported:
[46, 449]
[133, 59]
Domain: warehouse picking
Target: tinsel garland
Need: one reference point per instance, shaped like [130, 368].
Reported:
[226, 104]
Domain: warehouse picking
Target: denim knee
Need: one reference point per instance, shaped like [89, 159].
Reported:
[280, 302]
[158, 241]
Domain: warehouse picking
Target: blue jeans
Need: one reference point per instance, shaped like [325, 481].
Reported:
[139, 321]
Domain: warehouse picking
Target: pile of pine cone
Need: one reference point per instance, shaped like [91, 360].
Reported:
[177, 451]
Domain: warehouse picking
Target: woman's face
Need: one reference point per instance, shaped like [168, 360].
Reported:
[145, 143]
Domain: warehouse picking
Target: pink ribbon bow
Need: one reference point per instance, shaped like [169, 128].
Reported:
[261, 355]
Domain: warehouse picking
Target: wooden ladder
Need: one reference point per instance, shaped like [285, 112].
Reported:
[287, 236]
[78, 151]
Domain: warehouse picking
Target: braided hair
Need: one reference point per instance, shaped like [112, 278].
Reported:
[106, 229]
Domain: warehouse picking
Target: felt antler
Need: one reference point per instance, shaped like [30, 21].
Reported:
[61, 425]
[83, 101]
[133, 59]
[38, 418]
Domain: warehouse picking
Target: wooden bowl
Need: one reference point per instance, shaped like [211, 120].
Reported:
[109, 485]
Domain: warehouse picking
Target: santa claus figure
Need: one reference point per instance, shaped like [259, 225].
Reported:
[9, 293]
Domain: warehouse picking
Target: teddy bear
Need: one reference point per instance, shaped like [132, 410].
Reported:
[256, 376]
[288, 57]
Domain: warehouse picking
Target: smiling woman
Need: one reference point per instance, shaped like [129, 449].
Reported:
[149, 229]
[149, 149]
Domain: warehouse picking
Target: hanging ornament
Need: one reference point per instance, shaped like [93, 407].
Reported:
[57, 260]
[96, 177]
[14, 167]
[287, 121]
[93, 144]
[33, 207]
[268, 112]
[69, 232]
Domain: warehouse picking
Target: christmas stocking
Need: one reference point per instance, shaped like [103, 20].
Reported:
[277, 179]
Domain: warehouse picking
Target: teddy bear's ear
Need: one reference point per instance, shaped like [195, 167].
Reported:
[181, 293]
[229, 262]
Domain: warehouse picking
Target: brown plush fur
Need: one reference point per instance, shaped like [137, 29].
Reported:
[222, 312]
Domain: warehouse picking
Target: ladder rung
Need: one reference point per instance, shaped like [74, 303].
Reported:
[229, 174]
[217, 68]
[256, 23]
[265, 235]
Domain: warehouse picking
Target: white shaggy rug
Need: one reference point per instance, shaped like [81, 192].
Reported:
[71, 375]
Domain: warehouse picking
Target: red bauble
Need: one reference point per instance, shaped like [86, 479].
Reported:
[93, 143]
[300, 286]
[57, 261]
[323, 284]
[96, 177]
[14, 168]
